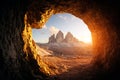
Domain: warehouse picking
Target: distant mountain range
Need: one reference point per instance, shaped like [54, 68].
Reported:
[59, 38]
[58, 45]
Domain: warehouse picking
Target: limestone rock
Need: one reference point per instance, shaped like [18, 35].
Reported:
[52, 39]
[59, 37]
[70, 38]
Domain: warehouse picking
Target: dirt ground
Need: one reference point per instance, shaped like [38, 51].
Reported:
[68, 66]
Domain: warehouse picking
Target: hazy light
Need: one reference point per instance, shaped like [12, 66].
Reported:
[66, 23]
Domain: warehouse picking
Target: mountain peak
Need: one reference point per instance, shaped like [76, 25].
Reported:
[52, 39]
[69, 38]
[59, 37]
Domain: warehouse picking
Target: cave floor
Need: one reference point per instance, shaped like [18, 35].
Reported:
[65, 68]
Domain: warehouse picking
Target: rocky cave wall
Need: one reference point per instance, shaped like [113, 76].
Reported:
[18, 57]
[15, 63]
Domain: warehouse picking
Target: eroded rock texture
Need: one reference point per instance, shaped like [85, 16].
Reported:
[15, 64]
[17, 55]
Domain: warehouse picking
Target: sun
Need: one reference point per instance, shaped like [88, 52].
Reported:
[86, 39]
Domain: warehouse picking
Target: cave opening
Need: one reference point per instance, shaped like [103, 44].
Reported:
[18, 51]
[98, 22]
[64, 40]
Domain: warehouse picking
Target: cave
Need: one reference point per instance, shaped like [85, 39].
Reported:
[64, 40]
[18, 58]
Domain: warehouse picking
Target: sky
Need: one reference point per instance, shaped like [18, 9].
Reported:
[66, 23]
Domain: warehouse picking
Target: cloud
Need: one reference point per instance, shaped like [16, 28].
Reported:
[43, 32]
[62, 17]
[53, 30]
[44, 27]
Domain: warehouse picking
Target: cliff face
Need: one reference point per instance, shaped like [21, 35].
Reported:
[69, 38]
[52, 39]
[59, 37]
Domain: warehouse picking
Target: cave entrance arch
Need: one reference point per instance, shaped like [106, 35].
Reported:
[98, 22]
[67, 42]
[37, 16]
[102, 18]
